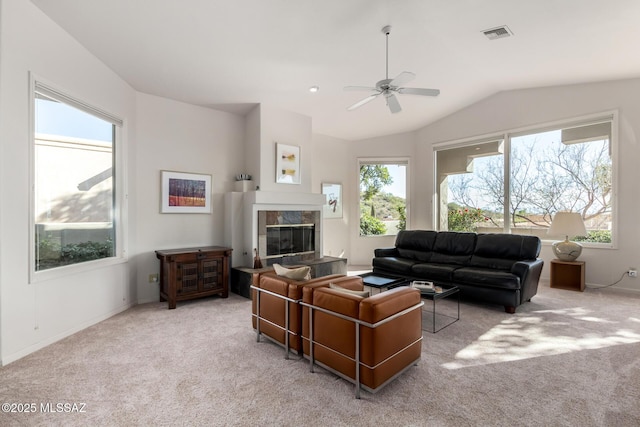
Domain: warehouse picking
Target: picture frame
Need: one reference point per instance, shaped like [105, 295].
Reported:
[333, 206]
[183, 192]
[287, 164]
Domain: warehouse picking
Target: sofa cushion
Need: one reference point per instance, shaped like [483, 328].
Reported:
[299, 273]
[453, 248]
[396, 265]
[501, 251]
[363, 294]
[434, 272]
[485, 277]
[415, 244]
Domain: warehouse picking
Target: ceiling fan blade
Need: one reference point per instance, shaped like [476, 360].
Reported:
[362, 102]
[402, 78]
[370, 89]
[418, 91]
[393, 104]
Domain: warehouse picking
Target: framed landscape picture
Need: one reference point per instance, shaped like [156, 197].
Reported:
[287, 164]
[185, 192]
[333, 205]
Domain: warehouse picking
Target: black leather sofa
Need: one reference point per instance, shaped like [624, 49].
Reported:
[501, 269]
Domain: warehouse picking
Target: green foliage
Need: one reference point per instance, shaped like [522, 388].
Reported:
[386, 205]
[595, 236]
[48, 250]
[86, 251]
[51, 254]
[372, 179]
[370, 226]
[465, 219]
[402, 214]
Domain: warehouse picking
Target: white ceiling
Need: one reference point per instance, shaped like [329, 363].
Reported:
[233, 54]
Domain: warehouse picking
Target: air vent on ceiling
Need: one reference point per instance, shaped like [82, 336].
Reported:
[498, 32]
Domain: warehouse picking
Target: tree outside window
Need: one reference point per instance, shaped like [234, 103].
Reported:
[383, 200]
[567, 169]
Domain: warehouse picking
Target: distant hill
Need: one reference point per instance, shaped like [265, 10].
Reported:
[386, 206]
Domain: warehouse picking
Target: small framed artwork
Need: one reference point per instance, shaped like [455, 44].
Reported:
[185, 192]
[287, 164]
[333, 206]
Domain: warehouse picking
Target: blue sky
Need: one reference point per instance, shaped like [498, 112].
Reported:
[56, 118]
[399, 186]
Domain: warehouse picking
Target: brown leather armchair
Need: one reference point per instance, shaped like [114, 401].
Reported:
[368, 341]
[276, 312]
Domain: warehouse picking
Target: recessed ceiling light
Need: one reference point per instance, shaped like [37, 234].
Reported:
[314, 89]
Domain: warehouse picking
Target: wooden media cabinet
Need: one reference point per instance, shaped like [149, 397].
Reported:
[193, 273]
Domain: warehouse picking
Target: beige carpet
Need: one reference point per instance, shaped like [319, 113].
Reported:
[565, 359]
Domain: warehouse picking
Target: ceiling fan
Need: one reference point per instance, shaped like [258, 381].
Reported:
[389, 87]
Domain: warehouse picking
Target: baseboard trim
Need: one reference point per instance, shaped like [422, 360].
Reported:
[44, 343]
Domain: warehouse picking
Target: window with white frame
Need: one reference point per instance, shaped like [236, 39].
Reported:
[74, 207]
[567, 167]
[383, 196]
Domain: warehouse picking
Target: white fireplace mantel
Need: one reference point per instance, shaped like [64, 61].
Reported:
[282, 198]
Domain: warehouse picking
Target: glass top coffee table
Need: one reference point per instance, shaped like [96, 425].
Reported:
[446, 291]
[382, 282]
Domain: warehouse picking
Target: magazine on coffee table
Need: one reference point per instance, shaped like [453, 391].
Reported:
[423, 286]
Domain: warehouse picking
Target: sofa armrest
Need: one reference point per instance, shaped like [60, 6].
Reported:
[385, 252]
[529, 273]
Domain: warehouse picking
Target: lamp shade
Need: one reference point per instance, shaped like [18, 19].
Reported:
[567, 224]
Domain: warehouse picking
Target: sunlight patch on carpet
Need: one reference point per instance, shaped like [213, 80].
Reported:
[544, 333]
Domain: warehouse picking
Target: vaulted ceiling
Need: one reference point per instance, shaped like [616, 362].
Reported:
[233, 54]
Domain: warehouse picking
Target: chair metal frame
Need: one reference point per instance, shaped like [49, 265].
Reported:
[286, 319]
[356, 360]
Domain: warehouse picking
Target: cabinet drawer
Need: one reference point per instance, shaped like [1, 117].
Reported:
[195, 256]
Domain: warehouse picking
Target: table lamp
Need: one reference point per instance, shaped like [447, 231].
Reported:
[569, 224]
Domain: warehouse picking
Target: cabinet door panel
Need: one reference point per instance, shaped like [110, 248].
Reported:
[187, 277]
[212, 274]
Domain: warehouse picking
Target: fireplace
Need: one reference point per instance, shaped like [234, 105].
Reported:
[286, 236]
[284, 228]
[287, 240]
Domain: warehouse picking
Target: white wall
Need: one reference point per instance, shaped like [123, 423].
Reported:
[34, 315]
[279, 126]
[523, 108]
[332, 164]
[180, 137]
[252, 146]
